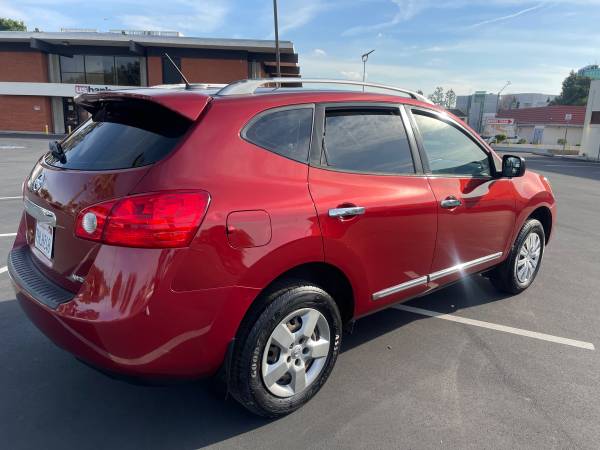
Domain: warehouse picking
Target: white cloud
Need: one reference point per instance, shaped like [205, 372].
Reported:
[407, 9]
[352, 75]
[506, 17]
[319, 52]
[200, 16]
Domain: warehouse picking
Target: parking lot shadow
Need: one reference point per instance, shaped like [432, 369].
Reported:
[49, 400]
[469, 292]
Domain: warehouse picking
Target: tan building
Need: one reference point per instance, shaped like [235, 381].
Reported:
[547, 125]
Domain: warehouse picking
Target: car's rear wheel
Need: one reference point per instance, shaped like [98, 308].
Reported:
[519, 270]
[286, 349]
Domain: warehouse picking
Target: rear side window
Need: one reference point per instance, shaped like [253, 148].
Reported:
[122, 135]
[285, 132]
[371, 141]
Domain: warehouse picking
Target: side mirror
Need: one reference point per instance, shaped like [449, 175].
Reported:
[513, 166]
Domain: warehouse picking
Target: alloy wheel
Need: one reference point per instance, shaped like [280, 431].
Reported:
[296, 352]
[528, 258]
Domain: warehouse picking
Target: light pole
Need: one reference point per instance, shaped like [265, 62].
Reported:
[508, 83]
[365, 58]
[278, 58]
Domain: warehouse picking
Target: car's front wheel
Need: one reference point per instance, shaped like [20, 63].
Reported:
[286, 351]
[519, 270]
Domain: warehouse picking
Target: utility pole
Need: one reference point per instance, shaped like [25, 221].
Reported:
[508, 83]
[365, 58]
[277, 56]
[568, 118]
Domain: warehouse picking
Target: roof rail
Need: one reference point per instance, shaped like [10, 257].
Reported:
[192, 86]
[251, 85]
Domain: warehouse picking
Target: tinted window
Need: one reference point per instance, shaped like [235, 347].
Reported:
[100, 69]
[371, 141]
[121, 135]
[286, 132]
[449, 150]
[169, 73]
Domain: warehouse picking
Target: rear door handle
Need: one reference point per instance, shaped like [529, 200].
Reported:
[348, 211]
[450, 202]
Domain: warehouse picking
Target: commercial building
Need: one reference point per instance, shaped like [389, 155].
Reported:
[549, 124]
[590, 144]
[41, 72]
[525, 100]
[477, 107]
[592, 71]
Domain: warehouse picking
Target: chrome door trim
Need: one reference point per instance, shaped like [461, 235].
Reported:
[400, 287]
[40, 214]
[463, 266]
[347, 212]
[434, 276]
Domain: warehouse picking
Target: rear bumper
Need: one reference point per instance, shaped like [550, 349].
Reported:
[131, 323]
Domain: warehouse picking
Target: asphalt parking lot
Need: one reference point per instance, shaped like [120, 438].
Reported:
[403, 380]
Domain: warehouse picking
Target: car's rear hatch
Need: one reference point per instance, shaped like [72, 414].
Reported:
[103, 159]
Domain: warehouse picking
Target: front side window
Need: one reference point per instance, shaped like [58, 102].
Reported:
[449, 151]
[366, 140]
[285, 132]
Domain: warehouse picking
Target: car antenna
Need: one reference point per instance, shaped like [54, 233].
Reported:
[187, 83]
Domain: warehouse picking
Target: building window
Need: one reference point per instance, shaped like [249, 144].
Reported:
[128, 70]
[595, 120]
[170, 74]
[98, 69]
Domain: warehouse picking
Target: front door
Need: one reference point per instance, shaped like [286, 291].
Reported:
[476, 212]
[376, 210]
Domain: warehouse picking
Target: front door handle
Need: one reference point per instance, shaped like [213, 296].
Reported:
[348, 211]
[450, 202]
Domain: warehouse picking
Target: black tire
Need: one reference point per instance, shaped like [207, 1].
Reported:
[504, 277]
[245, 380]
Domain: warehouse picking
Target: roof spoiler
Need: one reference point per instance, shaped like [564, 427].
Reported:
[188, 104]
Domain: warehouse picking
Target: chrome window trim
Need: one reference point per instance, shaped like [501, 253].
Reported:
[40, 214]
[435, 276]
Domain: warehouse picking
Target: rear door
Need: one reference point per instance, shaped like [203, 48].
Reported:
[375, 207]
[476, 212]
[103, 159]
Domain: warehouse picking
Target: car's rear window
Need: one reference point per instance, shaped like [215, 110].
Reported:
[122, 135]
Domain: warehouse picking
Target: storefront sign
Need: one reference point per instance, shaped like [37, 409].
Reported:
[87, 89]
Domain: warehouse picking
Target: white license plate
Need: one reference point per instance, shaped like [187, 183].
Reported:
[44, 238]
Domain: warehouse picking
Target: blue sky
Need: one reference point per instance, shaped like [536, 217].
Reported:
[420, 44]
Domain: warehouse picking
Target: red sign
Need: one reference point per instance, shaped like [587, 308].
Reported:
[500, 121]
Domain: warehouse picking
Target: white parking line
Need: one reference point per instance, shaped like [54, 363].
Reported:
[3, 269]
[7, 234]
[494, 326]
[10, 198]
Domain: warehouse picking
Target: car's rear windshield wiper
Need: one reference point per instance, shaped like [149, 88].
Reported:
[57, 151]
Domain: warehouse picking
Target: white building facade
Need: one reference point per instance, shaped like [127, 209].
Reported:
[590, 143]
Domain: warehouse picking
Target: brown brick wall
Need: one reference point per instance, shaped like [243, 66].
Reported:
[205, 70]
[154, 70]
[23, 66]
[17, 113]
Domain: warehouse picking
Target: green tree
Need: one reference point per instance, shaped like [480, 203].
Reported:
[438, 96]
[450, 99]
[11, 25]
[575, 90]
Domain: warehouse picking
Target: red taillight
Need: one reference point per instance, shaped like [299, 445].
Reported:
[155, 220]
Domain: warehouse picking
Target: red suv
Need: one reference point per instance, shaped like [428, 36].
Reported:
[188, 232]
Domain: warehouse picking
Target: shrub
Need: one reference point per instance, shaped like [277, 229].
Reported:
[500, 137]
[522, 141]
[561, 141]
